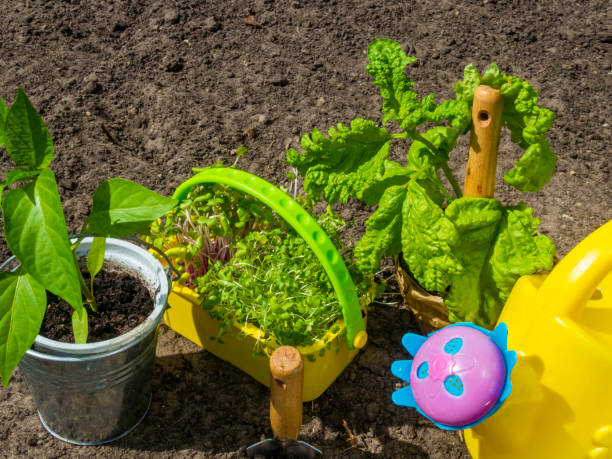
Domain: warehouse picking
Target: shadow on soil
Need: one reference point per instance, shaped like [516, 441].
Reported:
[205, 404]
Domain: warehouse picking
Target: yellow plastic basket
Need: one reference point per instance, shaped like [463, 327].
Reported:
[322, 365]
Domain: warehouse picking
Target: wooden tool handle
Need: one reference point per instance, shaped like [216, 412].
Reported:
[484, 141]
[287, 371]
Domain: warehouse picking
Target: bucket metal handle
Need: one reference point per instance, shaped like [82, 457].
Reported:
[307, 228]
[572, 282]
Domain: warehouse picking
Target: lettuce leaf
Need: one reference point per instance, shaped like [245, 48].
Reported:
[465, 89]
[387, 61]
[428, 240]
[457, 113]
[534, 169]
[477, 222]
[518, 249]
[400, 102]
[423, 163]
[3, 112]
[351, 162]
[422, 159]
[498, 245]
[383, 231]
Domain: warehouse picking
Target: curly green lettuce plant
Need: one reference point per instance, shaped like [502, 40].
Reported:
[35, 232]
[469, 250]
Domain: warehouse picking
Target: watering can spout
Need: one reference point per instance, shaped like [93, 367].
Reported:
[561, 327]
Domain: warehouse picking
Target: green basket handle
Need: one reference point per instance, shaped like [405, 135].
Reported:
[306, 226]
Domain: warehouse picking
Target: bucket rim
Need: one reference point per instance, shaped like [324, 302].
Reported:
[154, 275]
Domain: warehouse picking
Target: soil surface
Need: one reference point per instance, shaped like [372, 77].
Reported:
[146, 90]
[123, 302]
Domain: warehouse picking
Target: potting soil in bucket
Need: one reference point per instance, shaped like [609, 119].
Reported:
[187, 317]
[95, 393]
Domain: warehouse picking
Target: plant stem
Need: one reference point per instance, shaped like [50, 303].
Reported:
[414, 134]
[453, 181]
[89, 298]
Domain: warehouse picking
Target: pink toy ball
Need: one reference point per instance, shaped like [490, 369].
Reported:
[460, 375]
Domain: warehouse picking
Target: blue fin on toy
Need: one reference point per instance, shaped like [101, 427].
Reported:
[404, 397]
[500, 336]
[401, 369]
[412, 342]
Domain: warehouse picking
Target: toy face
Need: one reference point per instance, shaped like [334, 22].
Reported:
[457, 375]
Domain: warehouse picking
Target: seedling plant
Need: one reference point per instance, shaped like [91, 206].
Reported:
[468, 250]
[36, 233]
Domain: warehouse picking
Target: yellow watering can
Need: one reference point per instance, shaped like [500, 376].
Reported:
[560, 325]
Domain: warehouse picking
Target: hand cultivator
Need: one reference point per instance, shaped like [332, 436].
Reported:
[287, 377]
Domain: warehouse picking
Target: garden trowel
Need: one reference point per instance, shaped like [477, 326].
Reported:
[287, 377]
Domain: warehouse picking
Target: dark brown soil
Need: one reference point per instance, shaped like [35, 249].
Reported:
[146, 90]
[123, 303]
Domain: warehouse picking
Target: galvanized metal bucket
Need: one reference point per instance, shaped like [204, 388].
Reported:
[88, 394]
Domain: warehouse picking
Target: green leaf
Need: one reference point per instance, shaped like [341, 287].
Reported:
[497, 246]
[349, 163]
[518, 249]
[79, 326]
[28, 142]
[240, 151]
[383, 231]
[95, 259]
[393, 174]
[400, 103]
[493, 77]
[36, 233]
[534, 169]
[428, 240]
[22, 307]
[476, 221]
[3, 112]
[457, 112]
[528, 123]
[16, 175]
[422, 160]
[465, 89]
[423, 163]
[387, 61]
[121, 207]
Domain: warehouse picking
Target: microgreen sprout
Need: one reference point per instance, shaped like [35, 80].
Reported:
[197, 234]
[250, 267]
